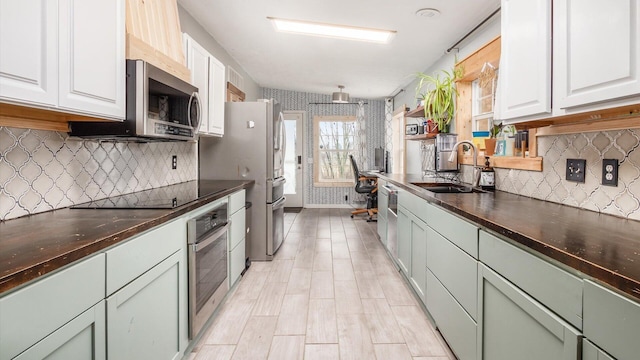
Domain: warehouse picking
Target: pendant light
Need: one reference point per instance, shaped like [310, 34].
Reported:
[340, 97]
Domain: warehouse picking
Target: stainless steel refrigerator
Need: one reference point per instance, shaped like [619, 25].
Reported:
[253, 147]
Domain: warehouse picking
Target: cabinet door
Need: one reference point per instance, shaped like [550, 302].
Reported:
[419, 257]
[525, 64]
[596, 51]
[404, 241]
[383, 198]
[591, 352]
[512, 324]
[80, 339]
[29, 51]
[198, 63]
[236, 263]
[92, 61]
[144, 317]
[217, 89]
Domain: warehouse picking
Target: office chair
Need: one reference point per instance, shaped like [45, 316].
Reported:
[365, 185]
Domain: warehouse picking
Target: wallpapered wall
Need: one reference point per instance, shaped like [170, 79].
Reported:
[375, 123]
[45, 170]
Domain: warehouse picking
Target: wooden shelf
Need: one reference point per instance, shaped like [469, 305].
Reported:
[427, 136]
[507, 162]
[415, 113]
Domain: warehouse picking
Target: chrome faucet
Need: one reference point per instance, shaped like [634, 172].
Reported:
[454, 153]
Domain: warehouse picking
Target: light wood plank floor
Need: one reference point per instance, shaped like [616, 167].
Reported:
[331, 292]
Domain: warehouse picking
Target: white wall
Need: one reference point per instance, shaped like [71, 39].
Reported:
[482, 36]
[190, 26]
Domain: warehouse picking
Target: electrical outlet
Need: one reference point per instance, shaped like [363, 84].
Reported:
[576, 170]
[174, 162]
[610, 172]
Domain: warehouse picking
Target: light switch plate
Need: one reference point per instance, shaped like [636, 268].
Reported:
[576, 170]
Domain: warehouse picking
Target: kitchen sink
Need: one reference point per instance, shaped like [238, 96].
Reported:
[447, 188]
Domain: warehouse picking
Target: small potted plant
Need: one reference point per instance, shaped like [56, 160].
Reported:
[490, 143]
[439, 97]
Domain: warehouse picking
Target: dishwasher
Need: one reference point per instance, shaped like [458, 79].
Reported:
[392, 221]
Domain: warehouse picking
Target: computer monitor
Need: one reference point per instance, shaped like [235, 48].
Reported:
[379, 159]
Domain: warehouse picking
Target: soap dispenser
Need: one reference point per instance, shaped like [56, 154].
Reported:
[487, 176]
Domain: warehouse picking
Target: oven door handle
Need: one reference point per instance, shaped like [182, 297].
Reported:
[201, 245]
[278, 204]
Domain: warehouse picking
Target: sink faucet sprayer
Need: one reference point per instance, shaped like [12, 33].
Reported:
[454, 153]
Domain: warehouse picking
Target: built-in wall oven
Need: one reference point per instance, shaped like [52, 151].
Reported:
[207, 247]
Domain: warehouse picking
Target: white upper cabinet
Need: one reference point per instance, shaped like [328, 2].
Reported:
[66, 54]
[92, 61]
[525, 64]
[29, 51]
[217, 90]
[208, 75]
[596, 52]
[198, 63]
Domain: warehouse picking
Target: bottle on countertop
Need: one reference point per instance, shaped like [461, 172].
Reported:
[487, 176]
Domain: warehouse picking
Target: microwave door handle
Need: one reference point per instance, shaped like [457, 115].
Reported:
[201, 245]
[195, 126]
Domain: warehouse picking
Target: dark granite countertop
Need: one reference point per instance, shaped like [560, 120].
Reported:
[35, 245]
[604, 247]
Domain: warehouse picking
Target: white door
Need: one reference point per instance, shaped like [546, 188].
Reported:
[92, 61]
[29, 51]
[217, 90]
[293, 165]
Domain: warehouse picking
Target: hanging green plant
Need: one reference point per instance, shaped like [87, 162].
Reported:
[439, 96]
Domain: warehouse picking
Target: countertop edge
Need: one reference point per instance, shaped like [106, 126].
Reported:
[18, 279]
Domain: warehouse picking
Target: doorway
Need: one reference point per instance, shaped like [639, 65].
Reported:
[293, 164]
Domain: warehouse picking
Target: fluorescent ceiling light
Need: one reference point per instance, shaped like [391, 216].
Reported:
[333, 31]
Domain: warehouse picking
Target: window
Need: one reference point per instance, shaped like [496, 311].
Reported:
[333, 141]
[483, 96]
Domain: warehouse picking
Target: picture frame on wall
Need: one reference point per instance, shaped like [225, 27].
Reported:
[501, 147]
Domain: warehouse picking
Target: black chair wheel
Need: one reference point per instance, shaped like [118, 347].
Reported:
[352, 216]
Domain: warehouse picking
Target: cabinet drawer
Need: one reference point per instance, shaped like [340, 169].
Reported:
[35, 311]
[555, 288]
[591, 352]
[611, 321]
[414, 204]
[455, 269]
[458, 231]
[128, 261]
[237, 228]
[236, 201]
[236, 263]
[454, 323]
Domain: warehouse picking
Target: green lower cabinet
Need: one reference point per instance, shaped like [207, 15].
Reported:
[80, 339]
[418, 273]
[513, 325]
[456, 326]
[611, 321]
[592, 352]
[383, 204]
[236, 263]
[144, 317]
[404, 241]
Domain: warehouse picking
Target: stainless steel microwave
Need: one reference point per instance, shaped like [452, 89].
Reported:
[160, 107]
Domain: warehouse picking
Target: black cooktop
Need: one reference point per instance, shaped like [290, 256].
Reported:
[166, 197]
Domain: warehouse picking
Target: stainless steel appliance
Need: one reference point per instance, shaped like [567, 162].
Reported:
[253, 147]
[159, 107]
[207, 259]
[444, 147]
[392, 221]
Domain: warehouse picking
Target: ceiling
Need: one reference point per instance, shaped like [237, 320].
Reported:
[318, 64]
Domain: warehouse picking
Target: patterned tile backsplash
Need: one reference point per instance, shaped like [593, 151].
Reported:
[550, 184]
[45, 170]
